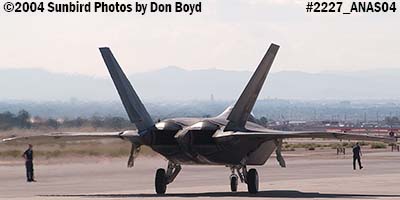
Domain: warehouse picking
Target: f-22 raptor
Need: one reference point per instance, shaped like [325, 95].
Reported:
[232, 139]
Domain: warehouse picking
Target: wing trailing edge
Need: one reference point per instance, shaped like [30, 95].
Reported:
[132, 136]
[268, 134]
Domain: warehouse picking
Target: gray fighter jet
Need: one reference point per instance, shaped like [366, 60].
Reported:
[232, 139]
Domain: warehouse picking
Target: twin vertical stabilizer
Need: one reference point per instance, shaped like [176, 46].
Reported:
[241, 111]
[237, 117]
[134, 107]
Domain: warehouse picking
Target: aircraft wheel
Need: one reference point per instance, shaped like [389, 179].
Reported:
[161, 181]
[234, 183]
[252, 181]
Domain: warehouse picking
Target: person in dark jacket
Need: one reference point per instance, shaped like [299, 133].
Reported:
[28, 155]
[357, 156]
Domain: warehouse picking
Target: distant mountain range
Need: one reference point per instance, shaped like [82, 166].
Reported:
[173, 83]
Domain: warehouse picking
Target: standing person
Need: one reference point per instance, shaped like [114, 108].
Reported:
[357, 156]
[28, 155]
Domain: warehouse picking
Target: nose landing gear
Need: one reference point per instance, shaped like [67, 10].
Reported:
[234, 182]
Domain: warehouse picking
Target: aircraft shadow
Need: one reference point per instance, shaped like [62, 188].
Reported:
[263, 194]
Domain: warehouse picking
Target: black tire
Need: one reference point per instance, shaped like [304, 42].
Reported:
[234, 183]
[161, 181]
[252, 181]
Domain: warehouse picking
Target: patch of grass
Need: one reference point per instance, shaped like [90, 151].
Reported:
[307, 146]
[363, 143]
[335, 146]
[75, 149]
[313, 146]
[10, 153]
[348, 144]
[288, 149]
[378, 145]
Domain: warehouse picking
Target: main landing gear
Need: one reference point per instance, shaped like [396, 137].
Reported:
[250, 177]
[163, 178]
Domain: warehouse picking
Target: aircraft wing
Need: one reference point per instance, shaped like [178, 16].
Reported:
[75, 136]
[272, 134]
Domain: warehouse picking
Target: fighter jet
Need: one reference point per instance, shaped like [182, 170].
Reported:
[232, 139]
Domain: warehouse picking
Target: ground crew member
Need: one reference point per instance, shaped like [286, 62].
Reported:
[357, 156]
[28, 155]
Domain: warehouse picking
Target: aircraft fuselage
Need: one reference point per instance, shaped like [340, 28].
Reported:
[191, 141]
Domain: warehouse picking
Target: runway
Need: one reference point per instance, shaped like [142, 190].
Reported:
[309, 175]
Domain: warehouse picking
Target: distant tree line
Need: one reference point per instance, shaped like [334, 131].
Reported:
[24, 120]
[10, 120]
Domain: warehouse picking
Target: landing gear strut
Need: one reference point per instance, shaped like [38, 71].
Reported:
[163, 178]
[250, 177]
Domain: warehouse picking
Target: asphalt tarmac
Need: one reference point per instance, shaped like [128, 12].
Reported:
[309, 175]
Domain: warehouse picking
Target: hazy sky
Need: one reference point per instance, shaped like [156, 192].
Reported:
[228, 34]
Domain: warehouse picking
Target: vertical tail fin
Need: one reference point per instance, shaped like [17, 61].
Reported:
[134, 107]
[243, 106]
